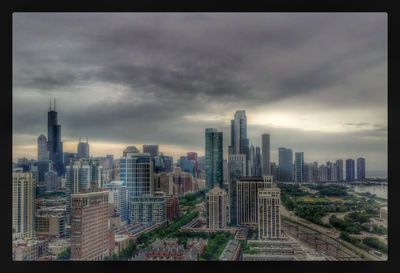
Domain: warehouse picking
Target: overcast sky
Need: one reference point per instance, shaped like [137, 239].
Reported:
[317, 82]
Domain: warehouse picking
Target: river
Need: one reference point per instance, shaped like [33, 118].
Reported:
[379, 191]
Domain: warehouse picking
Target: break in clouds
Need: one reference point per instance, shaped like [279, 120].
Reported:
[316, 82]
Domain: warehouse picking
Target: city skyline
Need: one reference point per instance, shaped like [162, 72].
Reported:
[319, 88]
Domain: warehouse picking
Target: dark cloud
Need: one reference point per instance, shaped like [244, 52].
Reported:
[165, 67]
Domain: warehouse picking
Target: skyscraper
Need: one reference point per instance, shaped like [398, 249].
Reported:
[239, 140]
[265, 146]
[246, 199]
[257, 162]
[299, 167]
[43, 153]
[236, 170]
[217, 204]
[151, 149]
[361, 169]
[83, 149]
[252, 159]
[213, 158]
[54, 144]
[193, 156]
[285, 165]
[350, 170]
[136, 171]
[339, 166]
[23, 204]
[89, 226]
[269, 220]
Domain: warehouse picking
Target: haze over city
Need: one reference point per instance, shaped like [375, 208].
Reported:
[316, 83]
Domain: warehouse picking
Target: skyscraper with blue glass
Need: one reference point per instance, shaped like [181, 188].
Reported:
[285, 165]
[213, 158]
[299, 167]
[350, 170]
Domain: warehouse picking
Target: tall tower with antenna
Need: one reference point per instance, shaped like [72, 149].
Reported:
[54, 144]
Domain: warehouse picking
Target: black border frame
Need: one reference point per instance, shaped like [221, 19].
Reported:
[188, 6]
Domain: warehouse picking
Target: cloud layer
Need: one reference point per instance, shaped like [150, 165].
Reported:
[316, 82]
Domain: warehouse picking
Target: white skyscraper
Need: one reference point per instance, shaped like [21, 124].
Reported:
[23, 204]
[269, 220]
[217, 204]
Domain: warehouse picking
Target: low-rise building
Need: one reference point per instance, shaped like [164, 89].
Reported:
[29, 249]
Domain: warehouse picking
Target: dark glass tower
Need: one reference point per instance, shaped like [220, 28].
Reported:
[213, 159]
[285, 165]
[350, 170]
[54, 144]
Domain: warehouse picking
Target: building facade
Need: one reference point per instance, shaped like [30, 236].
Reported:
[236, 170]
[43, 153]
[269, 220]
[23, 204]
[213, 158]
[361, 169]
[247, 198]
[83, 149]
[151, 149]
[148, 209]
[350, 170]
[299, 167]
[217, 204]
[118, 199]
[89, 226]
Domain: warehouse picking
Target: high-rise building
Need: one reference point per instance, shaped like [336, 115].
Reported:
[43, 166]
[43, 153]
[269, 220]
[274, 171]
[266, 154]
[23, 204]
[315, 176]
[187, 165]
[361, 169]
[54, 144]
[329, 166]
[182, 181]
[246, 199]
[172, 207]
[149, 209]
[350, 170]
[285, 165]
[239, 140]
[339, 166]
[83, 149]
[118, 199]
[236, 170]
[299, 167]
[213, 158]
[89, 226]
[334, 172]
[217, 205]
[151, 149]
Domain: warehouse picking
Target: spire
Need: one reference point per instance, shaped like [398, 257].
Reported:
[50, 104]
[54, 104]
[87, 140]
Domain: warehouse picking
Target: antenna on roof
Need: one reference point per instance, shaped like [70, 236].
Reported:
[54, 104]
[50, 104]
[86, 139]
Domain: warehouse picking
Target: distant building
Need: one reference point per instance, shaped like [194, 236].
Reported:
[323, 173]
[299, 167]
[43, 166]
[183, 182]
[258, 162]
[350, 170]
[269, 220]
[247, 198]
[339, 166]
[89, 226]
[148, 209]
[266, 154]
[151, 149]
[274, 171]
[187, 165]
[361, 169]
[52, 181]
[217, 204]
[43, 153]
[83, 149]
[193, 156]
[285, 165]
[23, 204]
[164, 182]
[213, 158]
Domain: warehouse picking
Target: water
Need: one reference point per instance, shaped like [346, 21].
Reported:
[380, 191]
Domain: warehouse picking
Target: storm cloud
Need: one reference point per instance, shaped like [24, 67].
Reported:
[316, 82]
